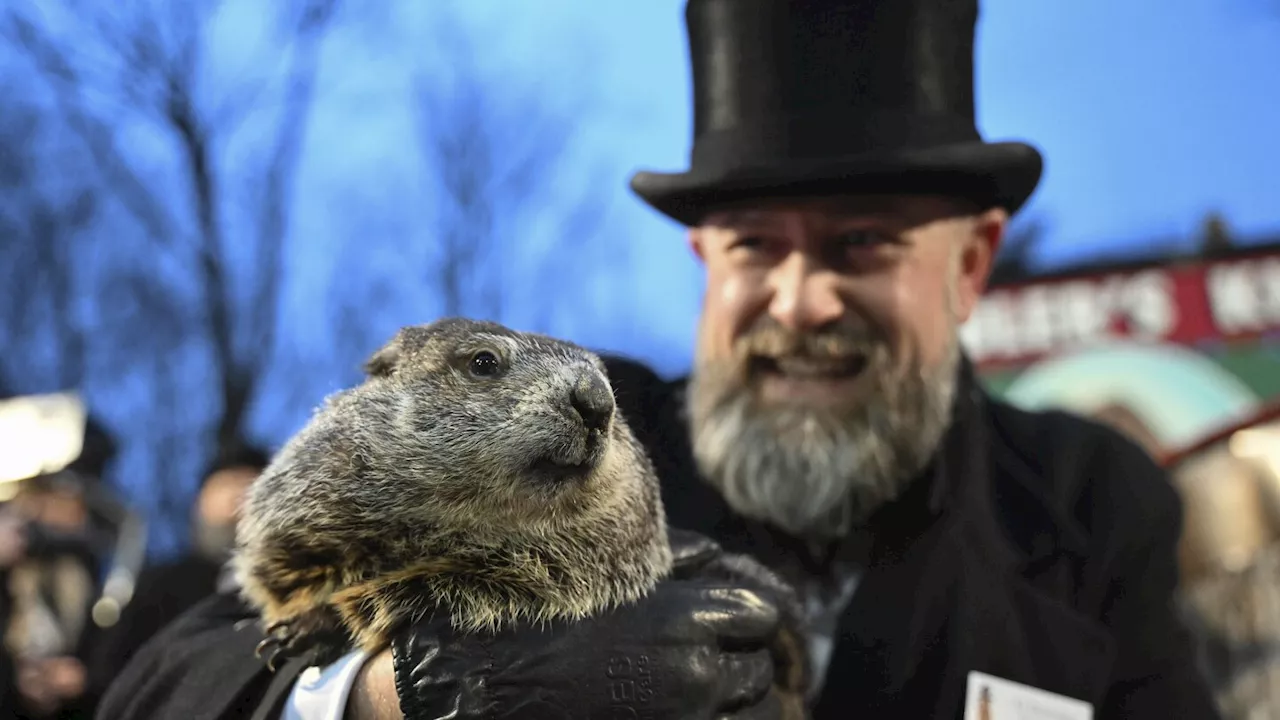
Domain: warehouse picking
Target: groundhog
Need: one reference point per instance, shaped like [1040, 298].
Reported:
[476, 469]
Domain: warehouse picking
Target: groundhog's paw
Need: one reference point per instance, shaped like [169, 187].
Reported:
[281, 641]
[294, 636]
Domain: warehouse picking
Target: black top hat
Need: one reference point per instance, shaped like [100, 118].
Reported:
[823, 97]
[99, 450]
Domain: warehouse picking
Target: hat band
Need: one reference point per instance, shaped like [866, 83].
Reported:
[830, 135]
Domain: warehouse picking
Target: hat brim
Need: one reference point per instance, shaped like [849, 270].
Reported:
[1002, 174]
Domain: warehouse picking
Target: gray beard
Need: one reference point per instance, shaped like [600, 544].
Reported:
[817, 472]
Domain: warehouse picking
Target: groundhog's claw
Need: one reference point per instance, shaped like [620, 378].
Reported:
[269, 647]
[280, 639]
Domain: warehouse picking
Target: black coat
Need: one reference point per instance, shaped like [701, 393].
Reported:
[162, 592]
[1039, 548]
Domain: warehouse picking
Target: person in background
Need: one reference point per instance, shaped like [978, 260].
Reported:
[13, 546]
[846, 211]
[165, 590]
[1230, 554]
[51, 568]
[53, 588]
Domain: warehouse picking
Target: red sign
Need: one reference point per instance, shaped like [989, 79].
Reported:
[1186, 304]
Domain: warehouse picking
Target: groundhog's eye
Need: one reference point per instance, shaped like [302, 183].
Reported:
[484, 364]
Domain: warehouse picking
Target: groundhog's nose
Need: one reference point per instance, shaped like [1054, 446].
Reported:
[593, 400]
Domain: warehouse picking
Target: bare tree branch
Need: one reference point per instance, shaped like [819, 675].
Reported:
[96, 133]
[160, 49]
[141, 312]
[1216, 237]
[42, 233]
[455, 145]
[273, 219]
[273, 215]
[494, 148]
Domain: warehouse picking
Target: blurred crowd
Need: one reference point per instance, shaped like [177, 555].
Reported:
[79, 599]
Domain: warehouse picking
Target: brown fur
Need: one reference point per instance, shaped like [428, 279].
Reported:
[427, 487]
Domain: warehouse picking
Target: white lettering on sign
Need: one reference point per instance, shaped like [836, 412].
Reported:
[1151, 304]
[1040, 319]
[1244, 296]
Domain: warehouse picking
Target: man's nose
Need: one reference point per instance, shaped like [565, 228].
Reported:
[804, 294]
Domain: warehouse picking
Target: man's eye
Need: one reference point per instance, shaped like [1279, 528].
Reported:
[860, 239]
[747, 242]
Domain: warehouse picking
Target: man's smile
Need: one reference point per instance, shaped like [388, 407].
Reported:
[809, 380]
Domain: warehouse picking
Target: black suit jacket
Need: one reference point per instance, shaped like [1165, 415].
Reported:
[1039, 547]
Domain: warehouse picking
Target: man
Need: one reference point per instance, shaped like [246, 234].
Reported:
[846, 211]
[165, 591]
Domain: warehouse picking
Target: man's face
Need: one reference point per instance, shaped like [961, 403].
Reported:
[218, 508]
[828, 347]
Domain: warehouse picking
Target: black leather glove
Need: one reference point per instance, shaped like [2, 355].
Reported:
[699, 646]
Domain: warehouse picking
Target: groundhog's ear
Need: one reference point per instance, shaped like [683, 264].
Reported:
[384, 361]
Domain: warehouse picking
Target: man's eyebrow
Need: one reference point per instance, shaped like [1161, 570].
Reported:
[859, 208]
[732, 218]
[884, 215]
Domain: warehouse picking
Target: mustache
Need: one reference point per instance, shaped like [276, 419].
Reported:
[841, 339]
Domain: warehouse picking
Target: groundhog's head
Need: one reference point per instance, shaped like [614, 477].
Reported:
[485, 414]
[476, 467]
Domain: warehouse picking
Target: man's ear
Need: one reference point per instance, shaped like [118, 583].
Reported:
[384, 361]
[977, 258]
[695, 243]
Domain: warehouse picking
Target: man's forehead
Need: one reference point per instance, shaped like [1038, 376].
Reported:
[773, 210]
